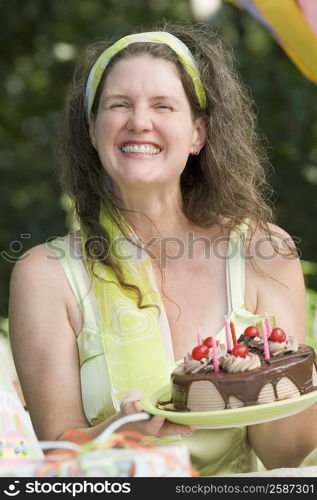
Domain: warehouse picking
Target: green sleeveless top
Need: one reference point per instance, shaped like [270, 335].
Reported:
[213, 451]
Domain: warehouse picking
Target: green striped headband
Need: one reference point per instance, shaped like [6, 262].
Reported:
[174, 43]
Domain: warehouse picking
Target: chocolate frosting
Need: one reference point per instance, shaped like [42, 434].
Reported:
[246, 386]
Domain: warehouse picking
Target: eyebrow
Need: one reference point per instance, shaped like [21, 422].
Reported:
[115, 96]
[154, 98]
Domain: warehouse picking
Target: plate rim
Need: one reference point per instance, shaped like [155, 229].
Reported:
[148, 404]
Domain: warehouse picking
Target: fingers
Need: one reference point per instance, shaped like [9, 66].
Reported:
[160, 427]
[170, 429]
[131, 403]
[156, 426]
[133, 395]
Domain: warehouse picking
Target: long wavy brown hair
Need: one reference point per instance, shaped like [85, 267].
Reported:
[225, 184]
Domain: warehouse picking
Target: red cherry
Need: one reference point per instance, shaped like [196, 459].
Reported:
[278, 335]
[208, 342]
[240, 350]
[200, 351]
[251, 331]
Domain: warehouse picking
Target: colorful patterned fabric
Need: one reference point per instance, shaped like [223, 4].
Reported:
[18, 442]
[293, 23]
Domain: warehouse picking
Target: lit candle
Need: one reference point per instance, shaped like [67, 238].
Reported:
[228, 336]
[215, 354]
[265, 341]
[233, 334]
[199, 337]
[268, 324]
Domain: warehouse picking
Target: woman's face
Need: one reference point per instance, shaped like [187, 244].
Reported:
[144, 130]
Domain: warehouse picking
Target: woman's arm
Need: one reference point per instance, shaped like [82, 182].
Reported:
[285, 442]
[45, 352]
[44, 344]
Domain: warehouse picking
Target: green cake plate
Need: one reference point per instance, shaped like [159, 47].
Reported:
[236, 417]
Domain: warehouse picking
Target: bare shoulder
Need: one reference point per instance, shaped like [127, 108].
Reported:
[274, 234]
[36, 266]
[38, 285]
[274, 273]
[274, 254]
[42, 261]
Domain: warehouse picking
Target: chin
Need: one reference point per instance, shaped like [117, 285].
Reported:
[139, 180]
[141, 183]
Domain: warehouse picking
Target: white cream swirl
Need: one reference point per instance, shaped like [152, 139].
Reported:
[204, 365]
[256, 343]
[191, 365]
[290, 345]
[235, 364]
[221, 351]
[194, 366]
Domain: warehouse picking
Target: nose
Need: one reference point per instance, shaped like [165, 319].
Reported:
[140, 119]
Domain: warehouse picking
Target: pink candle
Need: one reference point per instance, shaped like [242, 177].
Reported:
[265, 341]
[199, 337]
[215, 354]
[233, 334]
[268, 324]
[228, 337]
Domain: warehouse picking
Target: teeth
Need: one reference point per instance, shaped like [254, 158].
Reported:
[140, 148]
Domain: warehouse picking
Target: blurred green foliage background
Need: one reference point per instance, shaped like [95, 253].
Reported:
[40, 41]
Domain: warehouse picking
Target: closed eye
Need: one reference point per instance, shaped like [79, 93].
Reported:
[119, 105]
[163, 106]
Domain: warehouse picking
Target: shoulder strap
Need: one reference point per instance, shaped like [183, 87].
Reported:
[236, 265]
[78, 279]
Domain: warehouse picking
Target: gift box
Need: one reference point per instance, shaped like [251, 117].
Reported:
[157, 461]
[112, 454]
[118, 456]
[17, 437]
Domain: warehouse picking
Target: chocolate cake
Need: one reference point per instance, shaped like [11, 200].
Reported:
[245, 375]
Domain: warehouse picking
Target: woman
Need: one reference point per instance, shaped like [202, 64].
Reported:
[162, 164]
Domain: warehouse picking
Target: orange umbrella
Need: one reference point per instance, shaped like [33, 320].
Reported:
[293, 23]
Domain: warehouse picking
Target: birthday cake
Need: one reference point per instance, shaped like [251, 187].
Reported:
[258, 369]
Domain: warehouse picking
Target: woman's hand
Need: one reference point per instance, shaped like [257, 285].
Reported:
[155, 426]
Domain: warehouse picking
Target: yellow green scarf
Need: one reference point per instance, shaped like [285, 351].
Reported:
[137, 342]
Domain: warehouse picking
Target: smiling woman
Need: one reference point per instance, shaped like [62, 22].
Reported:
[144, 129]
[164, 168]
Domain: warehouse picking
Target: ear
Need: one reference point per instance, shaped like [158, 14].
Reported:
[92, 134]
[199, 135]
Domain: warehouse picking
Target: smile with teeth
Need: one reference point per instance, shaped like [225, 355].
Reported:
[147, 149]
